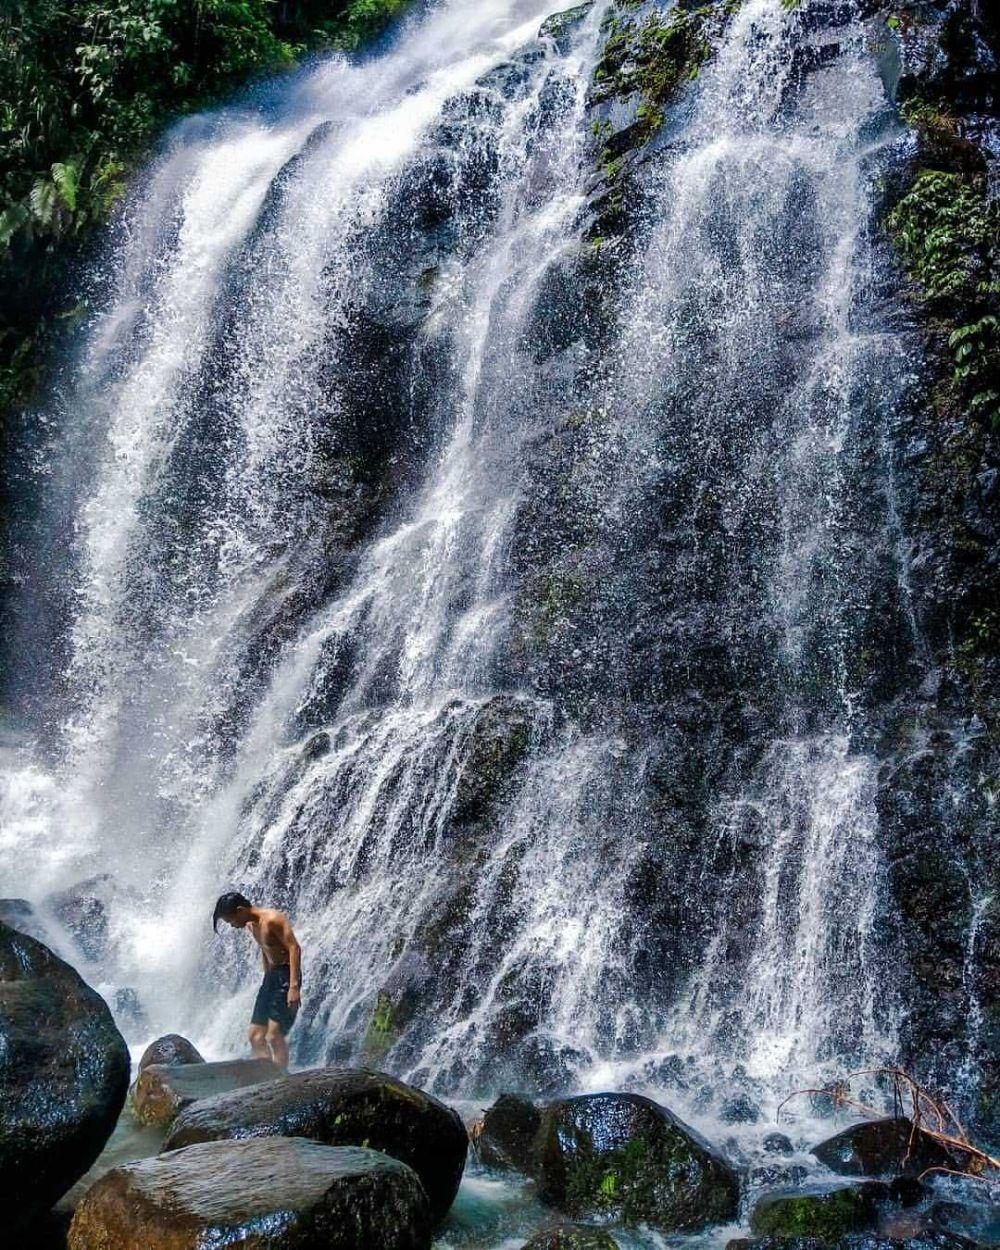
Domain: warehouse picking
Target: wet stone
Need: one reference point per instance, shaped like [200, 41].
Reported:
[169, 1049]
[63, 1076]
[341, 1107]
[270, 1193]
[826, 1212]
[507, 1136]
[623, 1157]
[572, 1237]
[881, 1148]
[778, 1144]
[162, 1090]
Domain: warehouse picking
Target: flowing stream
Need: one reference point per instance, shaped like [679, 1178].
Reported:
[496, 598]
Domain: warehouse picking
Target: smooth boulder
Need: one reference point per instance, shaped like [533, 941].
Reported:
[572, 1237]
[507, 1133]
[624, 1157]
[342, 1107]
[170, 1049]
[883, 1148]
[272, 1193]
[821, 1211]
[163, 1090]
[64, 1071]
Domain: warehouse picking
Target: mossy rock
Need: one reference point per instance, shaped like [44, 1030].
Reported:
[560, 26]
[572, 1237]
[826, 1213]
[623, 1157]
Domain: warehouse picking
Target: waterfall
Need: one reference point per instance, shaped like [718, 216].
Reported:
[501, 600]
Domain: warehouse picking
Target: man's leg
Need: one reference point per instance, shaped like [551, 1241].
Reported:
[276, 1042]
[258, 1041]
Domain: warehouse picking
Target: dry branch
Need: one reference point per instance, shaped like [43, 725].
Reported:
[944, 1126]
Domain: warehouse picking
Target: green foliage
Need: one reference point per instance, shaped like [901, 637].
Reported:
[85, 85]
[947, 232]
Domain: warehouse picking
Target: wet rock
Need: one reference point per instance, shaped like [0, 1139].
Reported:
[853, 1241]
[881, 1147]
[162, 1090]
[169, 1049]
[63, 1073]
[560, 26]
[827, 1212]
[773, 1174]
[396, 1003]
[624, 1157]
[507, 1137]
[271, 1193]
[498, 744]
[340, 1107]
[740, 1109]
[128, 1006]
[778, 1144]
[572, 1237]
[84, 909]
[18, 913]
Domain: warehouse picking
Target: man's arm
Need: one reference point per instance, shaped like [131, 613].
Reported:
[294, 969]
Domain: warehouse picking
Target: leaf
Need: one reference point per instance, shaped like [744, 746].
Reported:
[44, 200]
[65, 176]
[12, 219]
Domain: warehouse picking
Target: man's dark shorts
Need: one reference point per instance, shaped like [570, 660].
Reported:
[272, 1000]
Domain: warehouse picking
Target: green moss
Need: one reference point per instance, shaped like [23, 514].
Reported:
[651, 58]
[946, 229]
[828, 1215]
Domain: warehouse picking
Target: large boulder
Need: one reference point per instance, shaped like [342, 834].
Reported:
[273, 1193]
[170, 1049]
[163, 1090]
[820, 1211]
[507, 1134]
[572, 1237]
[624, 1157]
[882, 1148]
[64, 1071]
[342, 1107]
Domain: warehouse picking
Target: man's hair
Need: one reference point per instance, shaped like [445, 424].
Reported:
[227, 905]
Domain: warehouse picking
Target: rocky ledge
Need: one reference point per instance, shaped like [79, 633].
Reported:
[274, 1193]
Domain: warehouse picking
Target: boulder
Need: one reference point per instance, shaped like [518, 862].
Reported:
[778, 1144]
[84, 909]
[162, 1090]
[827, 1212]
[572, 1237]
[624, 1157]
[881, 1148]
[274, 1193]
[18, 913]
[170, 1049]
[64, 1071]
[854, 1241]
[507, 1136]
[341, 1107]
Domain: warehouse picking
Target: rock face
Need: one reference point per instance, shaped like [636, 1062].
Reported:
[272, 1194]
[162, 1090]
[341, 1107]
[19, 914]
[507, 1139]
[64, 1071]
[572, 1237]
[170, 1049]
[880, 1148]
[626, 1158]
[826, 1213]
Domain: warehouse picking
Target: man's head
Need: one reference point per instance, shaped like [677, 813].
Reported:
[234, 909]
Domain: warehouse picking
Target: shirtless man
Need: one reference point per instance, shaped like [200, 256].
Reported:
[278, 999]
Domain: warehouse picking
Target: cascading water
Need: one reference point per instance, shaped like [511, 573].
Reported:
[498, 599]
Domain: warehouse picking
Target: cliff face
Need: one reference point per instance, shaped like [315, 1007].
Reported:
[534, 515]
